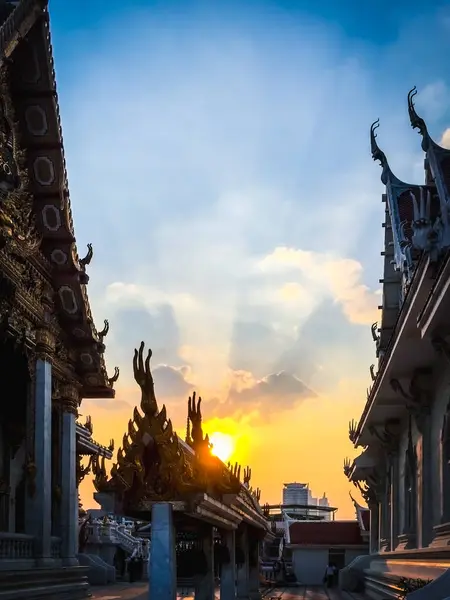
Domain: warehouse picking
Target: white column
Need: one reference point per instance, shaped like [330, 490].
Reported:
[204, 590]
[228, 573]
[427, 500]
[39, 492]
[253, 582]
[69, 492]
[243, 569]
[374, 529]
[162, 564]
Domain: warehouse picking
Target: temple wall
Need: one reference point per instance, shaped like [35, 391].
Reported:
[438, 410]
[15, 477]
[403, 443]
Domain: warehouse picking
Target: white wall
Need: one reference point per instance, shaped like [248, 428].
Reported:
[309, 565]
[352, 554]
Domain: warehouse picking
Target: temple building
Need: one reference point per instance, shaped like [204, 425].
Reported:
[206, 520]
[404, 472]
[51, 354]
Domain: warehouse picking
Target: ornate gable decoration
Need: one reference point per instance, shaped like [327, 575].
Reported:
[17, 230]
[419, 215]
[154, 464]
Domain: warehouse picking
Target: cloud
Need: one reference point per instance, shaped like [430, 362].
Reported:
[445, 139]
[433, 99]
[214, 178]
[170, 382]
[114, 405]
[134, 319]
[240, 137]
[323, 275]
[248, 396]
[284, 387]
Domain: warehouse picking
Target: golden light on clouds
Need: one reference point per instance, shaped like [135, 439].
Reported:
[222, 445]
[259, 406]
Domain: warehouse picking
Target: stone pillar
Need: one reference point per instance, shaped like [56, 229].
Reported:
[242, 587]
[394, 518]
[162, 564]
[69, 492]
[253, 580]
[204, 589]
[442, 530]
[228, 574]
[427, 500]
[39, 465]
[374, 543]
[384, 540]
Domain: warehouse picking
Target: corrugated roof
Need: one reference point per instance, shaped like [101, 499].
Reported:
[326, 533]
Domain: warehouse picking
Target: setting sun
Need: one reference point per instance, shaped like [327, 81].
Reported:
[222, 445]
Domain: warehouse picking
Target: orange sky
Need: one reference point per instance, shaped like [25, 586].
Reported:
[305, 444]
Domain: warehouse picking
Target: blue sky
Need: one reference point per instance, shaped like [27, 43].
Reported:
[219, 162]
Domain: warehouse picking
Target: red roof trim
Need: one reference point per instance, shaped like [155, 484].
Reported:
[326, 533]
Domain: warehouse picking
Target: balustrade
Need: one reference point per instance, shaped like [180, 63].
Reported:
[16, 546]
[56, 547]
[100, 532]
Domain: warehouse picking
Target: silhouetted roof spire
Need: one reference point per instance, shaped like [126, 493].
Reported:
[416, 121]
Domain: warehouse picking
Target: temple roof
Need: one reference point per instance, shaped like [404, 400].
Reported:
[154, 464]
[87, 446]
[325, 533]
[414, 211]
[362, 515]
[30, 105]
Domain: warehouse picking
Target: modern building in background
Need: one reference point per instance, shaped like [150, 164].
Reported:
[298, 499]
[308, 537]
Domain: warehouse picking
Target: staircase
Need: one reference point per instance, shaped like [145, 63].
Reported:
[124, 539]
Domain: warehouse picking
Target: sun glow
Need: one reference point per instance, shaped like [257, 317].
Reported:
[223, 445]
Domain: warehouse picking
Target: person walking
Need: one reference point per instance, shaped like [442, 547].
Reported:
[330, 573]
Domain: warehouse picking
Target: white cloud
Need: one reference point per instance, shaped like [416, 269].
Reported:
[324, 275]
[190, 163]
[433, 98]
[445, 139]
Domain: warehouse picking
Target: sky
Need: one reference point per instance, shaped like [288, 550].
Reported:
[219, 161]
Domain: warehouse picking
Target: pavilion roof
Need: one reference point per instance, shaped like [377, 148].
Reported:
[155, 464]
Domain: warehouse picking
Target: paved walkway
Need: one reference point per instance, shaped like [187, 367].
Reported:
[139, 591]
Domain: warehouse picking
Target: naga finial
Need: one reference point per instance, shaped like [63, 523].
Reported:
[143, 377]
[377, 153]
[373, 329]
[236, 471]
[99, 472]
[416, 121]
[347, 467]
[88, 425]
[111, 445]
[195, 416]
[372, 372]
[247, 476]
[353, 431]
[112, 380]
[188, 431]
[104, 332]
[84, 262]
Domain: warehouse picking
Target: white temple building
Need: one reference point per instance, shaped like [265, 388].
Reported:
[403, 471]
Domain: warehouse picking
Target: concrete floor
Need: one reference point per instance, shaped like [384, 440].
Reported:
[139, 591]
